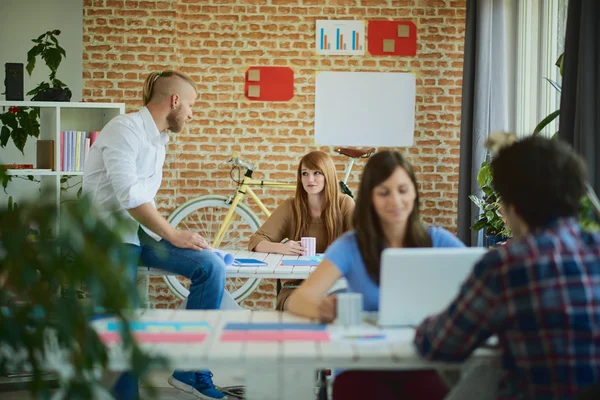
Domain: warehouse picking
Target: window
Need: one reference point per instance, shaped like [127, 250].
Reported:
[541, 36]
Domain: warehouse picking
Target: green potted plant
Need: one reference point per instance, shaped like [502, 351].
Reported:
[18, 123]
[40, 278]
[490, 220]
[47, 47]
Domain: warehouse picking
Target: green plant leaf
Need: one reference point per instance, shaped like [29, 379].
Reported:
[479, 224]
[484, 176]
[42, 86]
[58, 83]
[5, 179]
[551, 117]
[555, 85]
[560, 63]
[31, 56]
[19, 137]
[52, 57]
[4, 136]
[9, 119]
[477, 201]
[30, 65]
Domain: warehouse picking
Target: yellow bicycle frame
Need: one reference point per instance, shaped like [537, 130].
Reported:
[243, 188]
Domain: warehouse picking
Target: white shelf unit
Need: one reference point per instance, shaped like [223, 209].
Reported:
[62, 116]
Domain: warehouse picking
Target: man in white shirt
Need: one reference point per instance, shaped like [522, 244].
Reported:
[122, 175]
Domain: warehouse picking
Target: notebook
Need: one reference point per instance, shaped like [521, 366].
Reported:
[248, 262]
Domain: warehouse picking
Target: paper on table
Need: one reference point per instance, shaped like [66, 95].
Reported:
[274, 332]
[367, 336]
[227, 258]
[156, 337]
[275, 336]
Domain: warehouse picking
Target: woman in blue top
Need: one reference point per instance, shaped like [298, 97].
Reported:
[386, 215]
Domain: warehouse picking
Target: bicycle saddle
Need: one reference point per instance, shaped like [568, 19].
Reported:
[355, 153]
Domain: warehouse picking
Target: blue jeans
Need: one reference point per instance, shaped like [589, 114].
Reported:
[205, 269]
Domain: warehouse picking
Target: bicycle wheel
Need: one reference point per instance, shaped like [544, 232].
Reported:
[204, 215]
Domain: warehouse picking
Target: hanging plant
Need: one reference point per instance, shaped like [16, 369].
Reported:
[17, 124]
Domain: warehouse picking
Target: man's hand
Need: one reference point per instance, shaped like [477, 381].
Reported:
[189, 240]
[292, 248]
[328, 309]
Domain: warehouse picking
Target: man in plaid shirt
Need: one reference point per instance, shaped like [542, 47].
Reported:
[539, 293]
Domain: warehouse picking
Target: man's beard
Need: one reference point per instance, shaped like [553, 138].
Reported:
[174, 122]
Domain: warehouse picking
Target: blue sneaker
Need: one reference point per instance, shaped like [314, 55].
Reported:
[198, 383]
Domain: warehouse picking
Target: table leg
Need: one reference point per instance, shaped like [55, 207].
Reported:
[263, 382]
[299, 382]
[479, 380]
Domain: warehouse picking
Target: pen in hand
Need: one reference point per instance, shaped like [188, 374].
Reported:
[292, 248]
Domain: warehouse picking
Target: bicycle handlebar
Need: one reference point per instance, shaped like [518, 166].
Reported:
[237, 162]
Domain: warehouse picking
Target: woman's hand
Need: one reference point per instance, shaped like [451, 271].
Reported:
[292, 248]
[328, 309]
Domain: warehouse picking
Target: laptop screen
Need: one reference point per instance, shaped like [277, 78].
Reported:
[418, 282]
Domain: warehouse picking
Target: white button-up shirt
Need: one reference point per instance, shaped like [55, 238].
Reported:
[124, 168]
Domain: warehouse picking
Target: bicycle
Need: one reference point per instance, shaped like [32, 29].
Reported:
[227, 222]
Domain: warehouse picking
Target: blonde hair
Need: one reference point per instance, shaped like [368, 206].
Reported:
[154, 76]
[331, 213]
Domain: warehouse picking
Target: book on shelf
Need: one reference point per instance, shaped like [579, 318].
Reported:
[16, 166]
[77, 151]
[74, 149]
[45, 154]
[62, 151]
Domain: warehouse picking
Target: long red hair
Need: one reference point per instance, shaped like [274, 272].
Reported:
[331, 213]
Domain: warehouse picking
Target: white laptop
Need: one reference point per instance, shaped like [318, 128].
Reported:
[418, 282]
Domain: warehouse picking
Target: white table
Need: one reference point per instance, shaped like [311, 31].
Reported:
[286, 369]
[273, 270]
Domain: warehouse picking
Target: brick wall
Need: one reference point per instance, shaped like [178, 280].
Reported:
[215, 41]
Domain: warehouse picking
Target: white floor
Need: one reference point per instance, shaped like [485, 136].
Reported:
[221, 378]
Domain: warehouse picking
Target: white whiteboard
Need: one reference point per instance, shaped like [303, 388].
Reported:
[365, 109]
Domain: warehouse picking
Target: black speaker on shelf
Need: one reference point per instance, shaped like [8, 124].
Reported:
[13, 81]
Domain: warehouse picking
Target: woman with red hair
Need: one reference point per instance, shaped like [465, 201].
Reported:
[317, 210]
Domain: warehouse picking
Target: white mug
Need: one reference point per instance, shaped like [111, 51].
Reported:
[349, 309]
[310, 246]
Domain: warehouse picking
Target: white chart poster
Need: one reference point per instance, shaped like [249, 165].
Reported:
[340, 37]
[365, 109]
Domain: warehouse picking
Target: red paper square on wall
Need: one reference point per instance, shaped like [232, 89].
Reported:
[379, 31]
[275, 84]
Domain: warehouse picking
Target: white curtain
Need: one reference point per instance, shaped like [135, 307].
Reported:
[489, 100]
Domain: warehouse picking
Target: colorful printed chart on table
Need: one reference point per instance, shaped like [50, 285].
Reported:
[274, 332]
[158, 332]
[340, 37]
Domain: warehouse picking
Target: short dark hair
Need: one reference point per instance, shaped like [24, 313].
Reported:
[543, 179]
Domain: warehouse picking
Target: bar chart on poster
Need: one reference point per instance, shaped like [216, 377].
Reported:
[340, 37]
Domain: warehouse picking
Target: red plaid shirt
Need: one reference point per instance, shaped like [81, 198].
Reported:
[541, 296]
